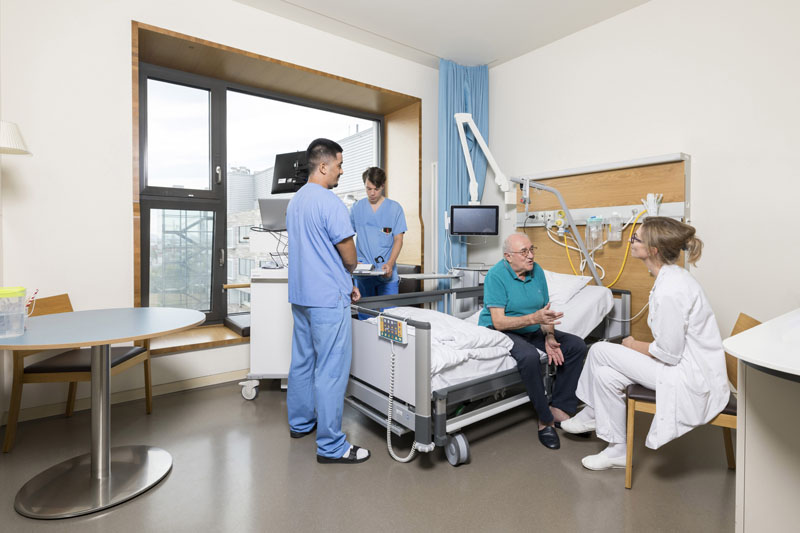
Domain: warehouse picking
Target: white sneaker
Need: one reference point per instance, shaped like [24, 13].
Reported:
[576, 427]
[601, 462]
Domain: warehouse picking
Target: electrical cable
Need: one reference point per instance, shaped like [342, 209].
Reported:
[413, 451]
[566, 249]
[627, 248]
[634, 317]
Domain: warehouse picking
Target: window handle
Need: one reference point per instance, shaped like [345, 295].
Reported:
[222, 257]
[218, 170]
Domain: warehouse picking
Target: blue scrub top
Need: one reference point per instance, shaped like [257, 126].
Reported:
[317, 220]
[375, 232]
[503, 288]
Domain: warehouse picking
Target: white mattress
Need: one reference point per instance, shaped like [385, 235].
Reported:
[471, 369]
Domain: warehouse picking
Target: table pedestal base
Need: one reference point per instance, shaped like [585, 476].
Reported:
[66, 489]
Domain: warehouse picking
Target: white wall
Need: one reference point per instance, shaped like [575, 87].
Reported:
[65, 78]
[715, 79]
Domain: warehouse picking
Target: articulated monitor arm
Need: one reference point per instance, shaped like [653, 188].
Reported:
[502, 181]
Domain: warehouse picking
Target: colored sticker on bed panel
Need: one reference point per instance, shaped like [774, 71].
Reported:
[392, 329]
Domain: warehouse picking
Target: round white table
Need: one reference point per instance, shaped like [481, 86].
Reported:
[106, 476]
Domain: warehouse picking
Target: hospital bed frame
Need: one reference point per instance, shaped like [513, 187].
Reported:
[434, 417]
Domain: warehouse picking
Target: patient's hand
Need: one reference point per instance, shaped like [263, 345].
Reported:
[553, 349]
[546, 316]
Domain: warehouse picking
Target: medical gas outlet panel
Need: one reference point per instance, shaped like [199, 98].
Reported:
[557, 218]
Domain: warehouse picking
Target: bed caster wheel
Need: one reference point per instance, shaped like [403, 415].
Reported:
[457, 449]
[249, 389]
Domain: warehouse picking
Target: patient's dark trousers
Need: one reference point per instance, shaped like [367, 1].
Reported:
[527, 356]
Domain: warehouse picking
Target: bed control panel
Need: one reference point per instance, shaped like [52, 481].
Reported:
[392, 329]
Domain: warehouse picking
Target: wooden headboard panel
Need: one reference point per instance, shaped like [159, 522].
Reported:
[602, 189]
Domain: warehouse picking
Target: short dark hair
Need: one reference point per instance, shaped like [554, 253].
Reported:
[375, 175]
[321, 150]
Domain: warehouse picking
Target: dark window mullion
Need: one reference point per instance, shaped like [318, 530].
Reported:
[218, 159]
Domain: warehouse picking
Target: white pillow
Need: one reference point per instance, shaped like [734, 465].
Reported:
[562, 287]
[473, 318]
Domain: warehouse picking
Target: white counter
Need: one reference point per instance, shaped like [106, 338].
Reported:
[768, 432]
[773, 345]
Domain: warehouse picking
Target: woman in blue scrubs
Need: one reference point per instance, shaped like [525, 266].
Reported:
[379, 224]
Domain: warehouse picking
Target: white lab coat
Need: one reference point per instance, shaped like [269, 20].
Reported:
[692, 387]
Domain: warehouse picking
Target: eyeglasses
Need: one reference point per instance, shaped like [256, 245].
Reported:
[526, 251]
[634, 239]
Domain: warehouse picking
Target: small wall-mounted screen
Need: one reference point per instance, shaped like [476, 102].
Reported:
[290, 172]
[473, 219]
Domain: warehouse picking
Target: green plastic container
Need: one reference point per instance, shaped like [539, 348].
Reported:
[12, 311]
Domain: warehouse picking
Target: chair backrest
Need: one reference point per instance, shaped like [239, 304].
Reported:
[52, 305]
[743, 323]
[47, 306]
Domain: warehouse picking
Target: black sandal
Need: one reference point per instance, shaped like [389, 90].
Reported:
[350, 459]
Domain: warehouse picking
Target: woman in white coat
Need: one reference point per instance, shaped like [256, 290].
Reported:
[685, 364]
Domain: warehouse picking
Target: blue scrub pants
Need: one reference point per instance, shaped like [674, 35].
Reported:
[375, 286]
[321, 352]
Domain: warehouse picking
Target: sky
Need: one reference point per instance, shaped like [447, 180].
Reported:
[258, 129]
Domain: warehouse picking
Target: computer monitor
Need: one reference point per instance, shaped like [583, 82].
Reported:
[289, 173]
[273, 213]
[473, 219]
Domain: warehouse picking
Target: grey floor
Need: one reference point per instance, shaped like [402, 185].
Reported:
[236, 469]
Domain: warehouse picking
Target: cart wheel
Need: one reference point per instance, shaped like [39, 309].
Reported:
[457, 449]
[249, 393]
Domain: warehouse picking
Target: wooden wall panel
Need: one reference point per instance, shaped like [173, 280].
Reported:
[206, 58]
[617, 187]
[613, 187]
[403, 171]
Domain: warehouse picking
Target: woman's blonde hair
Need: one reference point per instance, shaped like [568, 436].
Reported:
[669, 237]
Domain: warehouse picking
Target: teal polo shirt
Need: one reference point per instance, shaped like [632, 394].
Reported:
[503, 288]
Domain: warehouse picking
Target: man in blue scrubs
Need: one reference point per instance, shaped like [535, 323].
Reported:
[380, 224]
[321, 257]
[516, 302]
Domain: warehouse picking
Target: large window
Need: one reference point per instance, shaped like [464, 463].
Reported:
[207, 153]
[258, 129]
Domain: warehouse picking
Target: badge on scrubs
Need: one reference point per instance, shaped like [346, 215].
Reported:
[387, 231]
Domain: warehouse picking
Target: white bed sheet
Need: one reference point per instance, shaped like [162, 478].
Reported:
[584, 311]
[461, 350]
[471, 369]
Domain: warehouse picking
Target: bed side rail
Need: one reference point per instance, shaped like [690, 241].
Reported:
[615, 330]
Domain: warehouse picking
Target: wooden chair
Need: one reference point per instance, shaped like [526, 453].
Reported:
[71, 366]
[643, 400]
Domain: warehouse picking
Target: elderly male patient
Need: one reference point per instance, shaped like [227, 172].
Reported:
[516, 302]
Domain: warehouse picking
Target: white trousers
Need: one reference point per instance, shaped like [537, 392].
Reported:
[608, 371]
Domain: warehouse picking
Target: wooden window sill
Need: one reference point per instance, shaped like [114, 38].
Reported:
[200, 338]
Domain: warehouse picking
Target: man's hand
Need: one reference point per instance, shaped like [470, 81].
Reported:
[387, 270]
[355, 295]
[546, 316]
[553, 349]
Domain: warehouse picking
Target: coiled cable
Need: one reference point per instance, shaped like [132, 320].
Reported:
[413, 451]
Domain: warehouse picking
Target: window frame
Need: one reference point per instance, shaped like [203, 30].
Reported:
[214, 199]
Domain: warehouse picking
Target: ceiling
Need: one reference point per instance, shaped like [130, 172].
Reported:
[469, 32]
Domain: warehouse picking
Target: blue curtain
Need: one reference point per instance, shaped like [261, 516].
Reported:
[461, 90]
